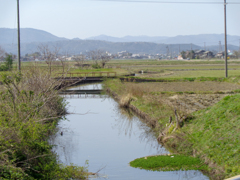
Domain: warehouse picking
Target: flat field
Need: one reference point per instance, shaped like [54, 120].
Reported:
[179, 69]
[208, 86]
[153, 68]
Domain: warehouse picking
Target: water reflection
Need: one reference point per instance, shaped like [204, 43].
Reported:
[124, 123]
[90, 86]
[110, 137]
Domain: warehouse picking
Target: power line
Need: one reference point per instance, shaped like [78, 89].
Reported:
[19, 49]
[225, 35]
[168, 2]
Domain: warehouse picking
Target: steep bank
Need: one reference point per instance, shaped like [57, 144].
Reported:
[198, 135]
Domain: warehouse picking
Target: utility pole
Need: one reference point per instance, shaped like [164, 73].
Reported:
[239, 45]
[191, 51]
[180, 49]
[167, 51]
[19, 49]
[171, 50]
[225, 31]
[220, 47]
[205, 46]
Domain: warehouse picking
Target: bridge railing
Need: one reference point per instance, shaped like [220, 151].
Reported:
[89, 74]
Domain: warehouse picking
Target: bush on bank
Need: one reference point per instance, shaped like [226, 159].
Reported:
[29, 112]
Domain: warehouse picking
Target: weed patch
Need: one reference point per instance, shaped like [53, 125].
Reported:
[168, 163]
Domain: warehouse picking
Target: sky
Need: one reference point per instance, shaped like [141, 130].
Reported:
[87, 18]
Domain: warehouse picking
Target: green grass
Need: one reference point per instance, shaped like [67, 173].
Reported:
[169, 62]
[119, 72]
[215, 133]
[232, 79]
[212, 134]
[166, 68]
[168, 163]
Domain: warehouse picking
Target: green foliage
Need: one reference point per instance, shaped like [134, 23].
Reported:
[168, 163]
[28, 116]
[215, 133]
[183, 53]
[8, 64]
[96, 66]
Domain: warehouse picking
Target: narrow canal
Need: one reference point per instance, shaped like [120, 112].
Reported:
[109, 138]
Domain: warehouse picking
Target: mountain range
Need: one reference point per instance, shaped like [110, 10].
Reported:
[31, 38]
[208, 39]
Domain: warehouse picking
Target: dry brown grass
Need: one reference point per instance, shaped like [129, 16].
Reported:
[125, 100]
[182, 86]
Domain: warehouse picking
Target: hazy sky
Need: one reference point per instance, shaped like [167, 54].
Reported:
[86, 18]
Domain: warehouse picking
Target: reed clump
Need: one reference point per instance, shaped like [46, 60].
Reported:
[125, 100]
[30, 109]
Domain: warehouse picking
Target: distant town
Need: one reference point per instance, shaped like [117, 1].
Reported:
[187, 55]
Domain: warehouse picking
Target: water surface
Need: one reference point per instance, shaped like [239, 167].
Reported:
[109, 138]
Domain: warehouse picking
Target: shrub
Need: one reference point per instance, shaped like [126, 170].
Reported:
[96, 66]
[8, 63]
[30, 108]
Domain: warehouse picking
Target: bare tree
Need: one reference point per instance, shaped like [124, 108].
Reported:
[237, 54]
[99, 56]
[48, 55]
[64, 63]
[2, 53]
[104, 58]
[94, 55]
[80, 60]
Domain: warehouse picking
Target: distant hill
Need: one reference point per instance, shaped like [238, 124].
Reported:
[77, 46]
[209, 39]
[31, 38]
[128, 38]
[28, 35]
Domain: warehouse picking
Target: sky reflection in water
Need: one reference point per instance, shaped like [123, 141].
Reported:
[110, 137]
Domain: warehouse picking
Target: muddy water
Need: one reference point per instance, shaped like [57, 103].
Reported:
[109, 138]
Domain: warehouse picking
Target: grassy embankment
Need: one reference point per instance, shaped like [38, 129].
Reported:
[29, 112]
[210, 134]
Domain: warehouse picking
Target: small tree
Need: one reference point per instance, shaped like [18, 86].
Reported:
[99, 56]
[104, 58]
[183, 53]
[80, 60]
[190, 54]
[2, 54]
[48, 55]
[237, 54]
[7, 64]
